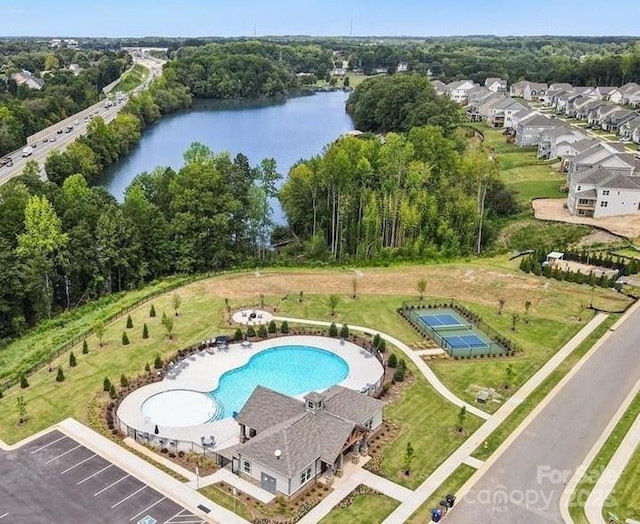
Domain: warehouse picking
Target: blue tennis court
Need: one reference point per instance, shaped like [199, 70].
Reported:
[439, 320]
[470, 341]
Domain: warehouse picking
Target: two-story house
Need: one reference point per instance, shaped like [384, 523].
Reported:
[614, 120]
[528, 129]
[534, 91]
[458, 91]
[608, 155]
[554, 141]
[497, 85]
[599, 192]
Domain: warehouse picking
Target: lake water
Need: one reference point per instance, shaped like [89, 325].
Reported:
[287, 130]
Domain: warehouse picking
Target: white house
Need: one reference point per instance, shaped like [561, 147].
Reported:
[458, 91]
[502, 113]
[534, 91]
[497, 85]
[598, 192]
[610, 93]
[528, 129]
[607, 155]
[554, 141]
[439, 86]
[285, 443]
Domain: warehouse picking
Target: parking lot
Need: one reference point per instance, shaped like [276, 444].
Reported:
[57, 480]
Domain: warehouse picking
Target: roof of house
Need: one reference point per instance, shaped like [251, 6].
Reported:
[538, 120]
[629, 87]
[620, 116]
[438, 84]
[491, 80]
[587, 193]
[561, 130]
[266, 407]
[606, 90]
[350, 405]
[458, 84]
[602, 177]
[584, 144]
[536, 85]
[561, 85]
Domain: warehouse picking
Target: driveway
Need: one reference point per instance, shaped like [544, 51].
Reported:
[524, 485]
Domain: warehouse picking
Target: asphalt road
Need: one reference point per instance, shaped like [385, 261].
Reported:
[525, 484]
[55, 480]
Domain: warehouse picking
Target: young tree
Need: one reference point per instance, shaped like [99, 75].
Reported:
[421, 286]
[168, 324]
[501, 304]
[157, 361]
[112, 392]
[124, 381]
[129, 322]
[333, 330]
[344, 331]
[60, 375]
[145, 331]
[22, 409]
[106, 384]
[98, 329]
[24, 383]
[408, 458]
[301, 297]
[392, 361]
[85, 347]
[284, 327]
[333, 301]
[262, 331]
[514, 320]
[152, 311]
[462, 415]
[272, 327]
[251, 332]
[527, 307]
[509, 376]
[176, 300]
[382, 345]
[354, 286]
[237, 336]
[72, 360]
[147, 368]
[125, 339]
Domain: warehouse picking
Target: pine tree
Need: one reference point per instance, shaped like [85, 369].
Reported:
[145, 331]
[85, 347]
[72, 360]
[344, 331]
[392, 362]
[157, 362]
[333, 330]
[152, 311]
[124, 382]
[147, 368]
[284, 327]
[112, 392]
[272, 327]
[106, 384]
[125, 338]
[60, 375]
[129, 322]
[238, 335]
[262, 331]
[24, 383]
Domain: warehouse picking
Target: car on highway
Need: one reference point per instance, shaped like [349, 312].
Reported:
[59, 131]
[6, 161]
[45, 139]
[27, 151]
[53, 138]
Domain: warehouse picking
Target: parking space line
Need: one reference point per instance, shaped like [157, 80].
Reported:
[96, 473]
[176, 515]
[63, 454]
[78, 464]
[110, 485]
[47, 445]
[147, 509]
[128, 497]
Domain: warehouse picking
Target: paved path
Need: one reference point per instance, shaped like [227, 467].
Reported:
[227, 476]
[413, 356]
[523, 482]
[461, 455]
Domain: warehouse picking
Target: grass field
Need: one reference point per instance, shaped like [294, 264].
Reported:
[451, 485]
[227, 501]
[133, 78]
[365, 509]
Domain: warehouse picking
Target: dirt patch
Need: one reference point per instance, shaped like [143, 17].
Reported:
[627, 226]
[598, 238]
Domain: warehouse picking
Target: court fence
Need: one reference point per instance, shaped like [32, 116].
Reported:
[499, 344]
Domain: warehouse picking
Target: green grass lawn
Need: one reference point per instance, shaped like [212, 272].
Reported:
[133, 78]
[365, 509]
[451, 485]
[227, 501]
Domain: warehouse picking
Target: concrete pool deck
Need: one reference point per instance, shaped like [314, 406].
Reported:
[201, 372]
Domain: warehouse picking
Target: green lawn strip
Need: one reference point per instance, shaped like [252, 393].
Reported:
[133, 78]
[365, 509]
[227, 501]
[451, 485]
[528, 233]
[530, 189]
[624, 500]
[523, 410]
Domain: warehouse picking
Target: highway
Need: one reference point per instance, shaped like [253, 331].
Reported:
[43, 145]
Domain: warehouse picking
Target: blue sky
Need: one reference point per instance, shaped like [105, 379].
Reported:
[316, 17]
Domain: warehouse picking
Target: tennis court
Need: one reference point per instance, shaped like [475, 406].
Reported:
[457, 336]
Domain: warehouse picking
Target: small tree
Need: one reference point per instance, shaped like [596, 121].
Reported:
[462, 415]
[354, 286]
[60, 375]
[22, 409]
[147, 368]
[261, 299]
[98, 329]
[382, 346]
[301, 297]
[175, 302]
[344, 331]
[333, 330]
[168, 324]
[421, 286]
[376, 341]
[157, 361]
[129, 322]
[251, 332]
[501, 304]
[145, 331]
[272, 327]
[284, 327]
[112, 392]
[527, 307]
[24, 383]
[72, 360]
[581, 309]
[152, 311]
[124, 381]
[237, 335]
[392, 361]
[514, 320]
[346, 82]
[333, 302]
[408, 458]
[227, 305]
[509, 376]
[262, 331]
[125, 339]
[106, 384]
[85, 347]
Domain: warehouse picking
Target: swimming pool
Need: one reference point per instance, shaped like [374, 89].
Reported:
[291, 370]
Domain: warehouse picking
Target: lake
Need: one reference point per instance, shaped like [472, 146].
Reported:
[287, 130]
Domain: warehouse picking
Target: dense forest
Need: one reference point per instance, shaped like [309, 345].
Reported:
[24, 111]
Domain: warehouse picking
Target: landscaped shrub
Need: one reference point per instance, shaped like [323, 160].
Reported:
[24, 383]
[124, 382]
[251, 332]
[344, 331]
[392, 362]
[382, 347]
[125, 338]
[72, 360]
[129, 322]
[376, 340]
[60, 375]
[112, 392]
[145, 331]
[147, 368]
[85, 347]
[262, 331]
[333, 330]
[237, 336]
[272, 327]
[106, 384]
[152, 311]
[398, 376]
[157, 361]
[284, 327]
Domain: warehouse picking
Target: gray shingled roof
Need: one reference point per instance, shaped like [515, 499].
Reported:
[588, 193]
[537, 120]
[351, 405]
[602, 177]
[266, 408]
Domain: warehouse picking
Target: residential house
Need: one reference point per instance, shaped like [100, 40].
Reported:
[560, 86]
[582, 112]
[627, 90]
[574, 103]
[608, 155]
[75, 69]
[26, 78]
[610, 93]
[634, 99]
[534, 90]
[285, 443]
[517, 89]
[549, 98]
[599, 192]
[458, 91]
[626, 130]
[613, 121]
[598, 114]
[554, 139]
[566, 150]
[403, 67]
[528, 129]
[502, 113]
[497, 85]
[486, 105]
[476, 97]
[439, 86]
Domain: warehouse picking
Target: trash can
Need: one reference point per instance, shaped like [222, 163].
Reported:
[436, 515]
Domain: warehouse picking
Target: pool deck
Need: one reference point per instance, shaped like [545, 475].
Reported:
[202, 372]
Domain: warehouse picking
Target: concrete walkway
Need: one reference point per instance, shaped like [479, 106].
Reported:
[413, 356]
[156, 457]
[226, 475]
[458, 457]
[429, 352]
[606, 482]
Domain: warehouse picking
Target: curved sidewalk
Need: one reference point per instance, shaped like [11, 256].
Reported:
[421, 364]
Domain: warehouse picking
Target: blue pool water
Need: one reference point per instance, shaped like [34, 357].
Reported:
[291, 370]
